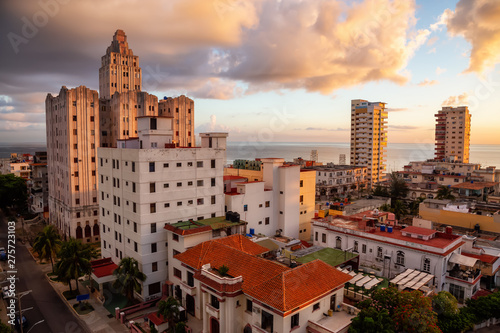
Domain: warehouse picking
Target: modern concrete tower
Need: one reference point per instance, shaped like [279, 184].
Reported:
[72, 120]
[369, 138]
[453, 134]
[120, 71]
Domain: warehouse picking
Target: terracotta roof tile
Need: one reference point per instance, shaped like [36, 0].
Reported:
[486, 258]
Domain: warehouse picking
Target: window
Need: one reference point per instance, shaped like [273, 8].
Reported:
[295, 320]
[458, 292]
[338, 242]
[200, 201]
[316, 306]
[214, 302]
[135, 226]
[134, 207]
[166, 205]
[267, 220]
[77, 201]
[316, 236]
[153, 248]
[267, 321]
[323, 238]
[179, 165]
[212, 164]
[133, 187]
[190, 279]
[152, 208]
[177, 273]
[199, 182]
[179, 184]
[153, 228]
[165, 165]
[190, 164]
[301, 199]
[268, 204]
[427, 265]
[301, 183]
[212, 182]
[154, 266]
[165, 185]
[355, 246]
[76, 173]
[363, 248]
[212, 200]
[249, 305]
[379, 252]
[133, 166]
[179, 203]
[400, 258]
[152, 187]
[154, 288]
[152, 123]
[151, 166]
[175, 237]
[77, 188]
[199, 164]
[245, 208]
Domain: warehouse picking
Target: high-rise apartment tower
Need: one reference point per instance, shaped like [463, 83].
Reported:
[453, 134]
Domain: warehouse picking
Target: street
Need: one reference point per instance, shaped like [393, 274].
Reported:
[44, 301]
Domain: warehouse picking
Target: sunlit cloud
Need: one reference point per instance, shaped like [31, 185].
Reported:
[458, 100]
[427, 82]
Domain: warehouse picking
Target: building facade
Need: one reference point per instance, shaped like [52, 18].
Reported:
[72, 120]
[369, 138]
[143, 189]
[453, 134]
[181, 109]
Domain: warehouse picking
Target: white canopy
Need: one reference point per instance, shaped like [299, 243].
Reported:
[463, 260]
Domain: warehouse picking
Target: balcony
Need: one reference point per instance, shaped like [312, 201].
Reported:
[466, 276]
[212, 311]
[187, 289]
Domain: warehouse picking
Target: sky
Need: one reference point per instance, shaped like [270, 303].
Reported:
[264, 70]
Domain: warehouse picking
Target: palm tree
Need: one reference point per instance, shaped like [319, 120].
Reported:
[47, 244]
[399, 209]
[445, 192]
[398, 188]
[169, 309]
[129, 277]
[75, 260]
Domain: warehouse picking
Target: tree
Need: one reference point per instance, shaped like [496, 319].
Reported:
[74, 261]
[414, 314]
[399, 209]
[415, 206]
[129, 277]
[398, 189]
[169, 309]
[13, 192]
[380, 191]
[445, 192]
[444, 303]
[372, 321]
[4, 328]
[47, 244]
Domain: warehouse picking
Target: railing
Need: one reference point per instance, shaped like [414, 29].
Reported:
[138, 307]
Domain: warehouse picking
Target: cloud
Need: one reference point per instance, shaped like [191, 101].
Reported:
[396, 109]
[212, 126]
[216, 88]
[402, 127]
[440, 70]
[479, 23]
[433, 50]
[442, 20]
[432, 40]
[458, 100]
[427, 82]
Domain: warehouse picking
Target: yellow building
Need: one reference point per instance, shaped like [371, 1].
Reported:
[369, 138]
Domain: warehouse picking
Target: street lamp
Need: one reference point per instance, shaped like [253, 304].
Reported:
[39, 322]
[19, 295]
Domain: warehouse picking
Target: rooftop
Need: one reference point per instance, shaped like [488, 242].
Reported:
[191, 227]
[475, 185]
[332, 257]
[103, 267]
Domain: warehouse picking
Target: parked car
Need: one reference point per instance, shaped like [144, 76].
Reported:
[3, 254]
[25, 323]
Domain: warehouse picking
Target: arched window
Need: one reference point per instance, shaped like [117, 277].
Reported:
[247, 329]
[87, 231]
[338, 242]
[379, 252]
[427, 265]
[400, 258]
[79, 232]
[96, 229]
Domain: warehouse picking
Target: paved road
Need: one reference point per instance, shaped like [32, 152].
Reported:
[46, 304]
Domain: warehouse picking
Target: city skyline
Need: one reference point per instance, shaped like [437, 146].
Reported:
[256, 77]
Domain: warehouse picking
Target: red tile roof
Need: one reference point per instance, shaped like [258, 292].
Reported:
[298, 286]
[272, 283]
[103, 267]
[486, 258]
[234, 177]
[475, 185]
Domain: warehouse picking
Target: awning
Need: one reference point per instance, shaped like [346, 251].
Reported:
[463, 260]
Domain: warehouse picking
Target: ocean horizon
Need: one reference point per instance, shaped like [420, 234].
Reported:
[398, 154]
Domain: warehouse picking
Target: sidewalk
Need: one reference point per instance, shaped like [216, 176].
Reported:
[3, 310]
[97, 321]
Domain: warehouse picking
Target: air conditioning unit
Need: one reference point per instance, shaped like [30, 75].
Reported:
[256, 310]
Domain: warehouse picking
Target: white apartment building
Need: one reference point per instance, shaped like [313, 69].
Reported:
[453, 134]
[72, 121]
[389, 251]
[339, 180]
[257, 294]
[143, 186]
[369, 138]
[271, 204]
